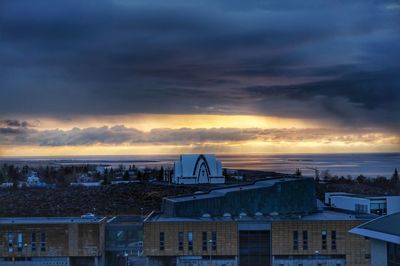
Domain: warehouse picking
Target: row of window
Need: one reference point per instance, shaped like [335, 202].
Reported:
[324, 240]
[319, 264]
[23, 245]
[204, 244]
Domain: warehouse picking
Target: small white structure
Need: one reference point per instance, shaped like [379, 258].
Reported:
[86, 184]
[198, 169]
[6, 184]
[34, 181]
[381, 205]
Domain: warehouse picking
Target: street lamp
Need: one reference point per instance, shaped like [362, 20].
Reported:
[126, 258]
[26, 251]
[316, 255]
[210, 242]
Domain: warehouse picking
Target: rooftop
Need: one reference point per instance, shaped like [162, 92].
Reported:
[384, 228]
[219, 192]
[324, 215]
[51, 220]
[344, 194]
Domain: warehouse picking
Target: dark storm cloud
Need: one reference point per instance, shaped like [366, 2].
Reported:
[367, 98]
[17, 123]
[336, 60]
[121, 135]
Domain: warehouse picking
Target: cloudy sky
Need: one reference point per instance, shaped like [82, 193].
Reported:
[224, 76]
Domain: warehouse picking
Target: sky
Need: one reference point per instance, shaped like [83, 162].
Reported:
[212, 76]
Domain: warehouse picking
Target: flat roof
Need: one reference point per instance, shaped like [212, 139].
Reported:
[50, 220]
[325, 215]
[351, 195]
[219, 192]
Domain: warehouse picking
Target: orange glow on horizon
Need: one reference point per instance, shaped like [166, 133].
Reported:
[335, 143]
[147, 122]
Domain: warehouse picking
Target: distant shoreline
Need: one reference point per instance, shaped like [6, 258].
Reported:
[339, 164]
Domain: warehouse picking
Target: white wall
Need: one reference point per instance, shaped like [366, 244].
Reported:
[378, 253]
[393, 204]
[348, 203]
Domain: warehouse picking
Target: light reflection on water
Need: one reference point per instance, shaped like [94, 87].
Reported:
[370, 165]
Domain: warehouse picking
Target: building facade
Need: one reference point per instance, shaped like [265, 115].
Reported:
[253, 241]
[187, 243]
[57, 241]
[197, 169]
[270, 222]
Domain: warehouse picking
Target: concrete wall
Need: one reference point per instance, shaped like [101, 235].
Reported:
[349, 203]
[378, 252]
[393, 204]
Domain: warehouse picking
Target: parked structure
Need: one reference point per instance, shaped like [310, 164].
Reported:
[69, 241]
[197, 169]
[270, 222]
[380, 205]
[384, 233]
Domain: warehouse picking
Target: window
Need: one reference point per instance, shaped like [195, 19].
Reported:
[33, 241]
[204, 241]
[19, 242]
[295, 240]
[190, 241]
[305, 240]
[10, 240]
[43, 241]
[393, 254]
[378, 208]
[362, 208]
[180, 241]
[333, 239]
[162, 241]
[214, 241]
[323, 238]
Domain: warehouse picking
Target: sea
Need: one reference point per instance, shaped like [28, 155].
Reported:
[367, 164]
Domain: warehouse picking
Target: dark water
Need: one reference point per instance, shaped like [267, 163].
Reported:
[370, 165]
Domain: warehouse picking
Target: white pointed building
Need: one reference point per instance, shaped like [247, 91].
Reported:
[198, 169]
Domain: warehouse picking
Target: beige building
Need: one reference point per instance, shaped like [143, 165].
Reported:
[316, 239]
[60, 241]
[275, 222]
